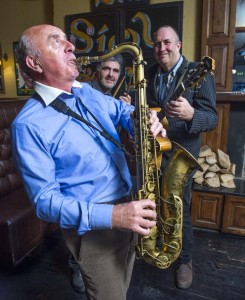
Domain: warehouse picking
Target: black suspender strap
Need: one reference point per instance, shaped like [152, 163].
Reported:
[60, 106]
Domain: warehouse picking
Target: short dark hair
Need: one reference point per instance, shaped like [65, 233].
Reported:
[167, 26]
[117, 58]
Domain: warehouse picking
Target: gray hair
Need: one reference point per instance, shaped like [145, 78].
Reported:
[25, 48]
[116, 58]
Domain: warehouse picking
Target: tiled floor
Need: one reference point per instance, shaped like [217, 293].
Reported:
[219, 267]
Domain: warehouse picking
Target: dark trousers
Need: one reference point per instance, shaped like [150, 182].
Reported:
[187, 241]
[73, 264]
[106, 259]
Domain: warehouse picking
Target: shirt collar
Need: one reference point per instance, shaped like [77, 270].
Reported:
[49, 93]
[173, 71]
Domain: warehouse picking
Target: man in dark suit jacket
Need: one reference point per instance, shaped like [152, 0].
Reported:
[188, 116]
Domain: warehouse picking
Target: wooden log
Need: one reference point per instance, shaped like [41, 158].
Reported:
[226, 177]
[228, 184]
[209, 174]
[211, 159]
[205, 151]
[224, 171]
[223, 159]
[201, 160]
[212, 182]
[217, 168]
[233, 169]
[198, 174]
[205, 167]
[199, 180]
[214, 168]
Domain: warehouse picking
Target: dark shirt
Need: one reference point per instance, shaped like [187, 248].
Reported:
[95, 84]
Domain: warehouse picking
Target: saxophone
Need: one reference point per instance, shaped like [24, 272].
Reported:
[163, 245]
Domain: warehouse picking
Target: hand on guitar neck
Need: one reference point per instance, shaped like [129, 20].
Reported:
[182, 109]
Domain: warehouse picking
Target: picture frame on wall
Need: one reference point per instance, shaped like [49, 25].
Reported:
[102, 4]
[21, 88]
[1, 72]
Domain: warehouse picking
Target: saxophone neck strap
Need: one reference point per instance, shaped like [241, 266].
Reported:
[60, 106]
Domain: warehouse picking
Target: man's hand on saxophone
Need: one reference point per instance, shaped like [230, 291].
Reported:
[137, 216]
[156, 126]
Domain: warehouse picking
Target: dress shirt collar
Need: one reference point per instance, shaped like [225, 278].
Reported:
[173, 71]
[49, 93]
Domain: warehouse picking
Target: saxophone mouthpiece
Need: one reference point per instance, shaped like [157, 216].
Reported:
[83, 61]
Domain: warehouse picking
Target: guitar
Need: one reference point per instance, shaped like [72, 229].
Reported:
[192, 78]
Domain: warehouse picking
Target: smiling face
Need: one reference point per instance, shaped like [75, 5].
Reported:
[108, 75]
[166, 47]
[56, 62]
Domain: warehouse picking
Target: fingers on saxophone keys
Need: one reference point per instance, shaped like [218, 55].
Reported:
[157, 128]
[147, 204]
[163, 132]
[146, 225]
[149, 213]
[144, 231]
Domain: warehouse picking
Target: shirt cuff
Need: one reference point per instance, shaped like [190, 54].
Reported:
[101, 216]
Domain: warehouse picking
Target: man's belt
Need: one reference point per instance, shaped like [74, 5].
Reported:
[125, 199]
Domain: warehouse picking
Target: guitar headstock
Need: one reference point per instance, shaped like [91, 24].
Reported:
[195, 75]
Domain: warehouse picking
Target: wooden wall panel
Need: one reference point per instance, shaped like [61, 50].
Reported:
[206, 210]
[219, 54]
[218, 38]
[234, 215]
[218, 138]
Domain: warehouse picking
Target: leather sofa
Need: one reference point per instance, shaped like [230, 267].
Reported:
[20, 230]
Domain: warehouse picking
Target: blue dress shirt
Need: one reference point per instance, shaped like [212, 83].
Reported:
[69, 169]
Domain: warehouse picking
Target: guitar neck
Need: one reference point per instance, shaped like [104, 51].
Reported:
[177, 93]
[191, 79]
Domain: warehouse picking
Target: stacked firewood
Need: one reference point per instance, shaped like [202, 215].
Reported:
[218, 171]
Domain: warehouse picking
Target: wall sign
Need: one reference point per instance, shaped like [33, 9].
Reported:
[93, 33]
[105, 4]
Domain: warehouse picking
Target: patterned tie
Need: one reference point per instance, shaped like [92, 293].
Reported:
[65, 96]
[162, 86]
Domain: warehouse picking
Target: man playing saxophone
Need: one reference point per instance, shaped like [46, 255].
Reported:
[105, 80]
[73, 175]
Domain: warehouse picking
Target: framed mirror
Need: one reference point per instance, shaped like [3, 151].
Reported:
[239, 61]
[21, 88]
[1, 72]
